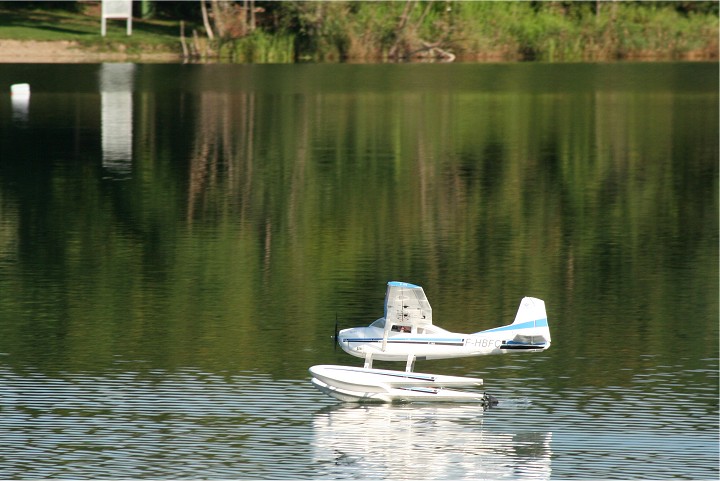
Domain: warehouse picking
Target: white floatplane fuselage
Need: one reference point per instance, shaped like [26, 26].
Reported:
[406, 333]
[436, 343]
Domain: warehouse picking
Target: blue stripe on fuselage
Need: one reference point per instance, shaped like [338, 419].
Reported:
[523, 325]
[416, 340]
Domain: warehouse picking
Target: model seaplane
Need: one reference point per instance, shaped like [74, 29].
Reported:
[406, 333]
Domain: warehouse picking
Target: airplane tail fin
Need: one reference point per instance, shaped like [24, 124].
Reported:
[531, 321]
[530, 328]
[531, 309]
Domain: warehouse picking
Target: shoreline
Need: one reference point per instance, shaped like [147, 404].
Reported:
[67, 51]
[347, 32]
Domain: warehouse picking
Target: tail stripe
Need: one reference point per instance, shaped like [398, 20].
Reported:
[524, 325]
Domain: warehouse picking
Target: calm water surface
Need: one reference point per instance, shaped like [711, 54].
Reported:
[176, 241]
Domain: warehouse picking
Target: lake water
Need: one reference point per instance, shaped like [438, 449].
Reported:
[177, 240]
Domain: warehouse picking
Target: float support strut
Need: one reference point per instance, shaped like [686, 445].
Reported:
[368, 360]
[410, 365]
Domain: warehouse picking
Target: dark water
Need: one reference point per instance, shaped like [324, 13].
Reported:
[176, 241]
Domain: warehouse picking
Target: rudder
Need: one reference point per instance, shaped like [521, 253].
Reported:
[531, 309]
[532, 315]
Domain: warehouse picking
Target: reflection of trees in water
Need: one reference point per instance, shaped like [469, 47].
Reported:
[506, 181]
[222, 152]
[516, 193]
[232, 178]
[301, 196]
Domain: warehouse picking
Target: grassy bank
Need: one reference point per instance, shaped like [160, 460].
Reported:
[81, 27]
[387, 31]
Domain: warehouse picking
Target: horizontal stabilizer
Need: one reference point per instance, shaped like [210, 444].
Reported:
[524, 345]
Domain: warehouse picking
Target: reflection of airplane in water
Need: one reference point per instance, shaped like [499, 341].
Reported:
[406, 333]
[431, 441]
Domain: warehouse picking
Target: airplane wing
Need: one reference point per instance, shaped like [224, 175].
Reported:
[406, 305]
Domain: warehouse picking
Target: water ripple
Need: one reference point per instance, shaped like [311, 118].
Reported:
[191, 424]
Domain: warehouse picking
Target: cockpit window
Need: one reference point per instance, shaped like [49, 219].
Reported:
[428, 330]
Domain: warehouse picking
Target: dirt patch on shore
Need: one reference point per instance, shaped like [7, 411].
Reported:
[32, 51]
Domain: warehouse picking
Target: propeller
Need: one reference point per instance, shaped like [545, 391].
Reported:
[335, 337]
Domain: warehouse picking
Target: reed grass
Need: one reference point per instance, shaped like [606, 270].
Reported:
[260, 47]
[546, 31]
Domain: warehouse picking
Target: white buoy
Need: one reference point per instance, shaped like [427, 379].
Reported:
[20, 90]
[20, 99]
